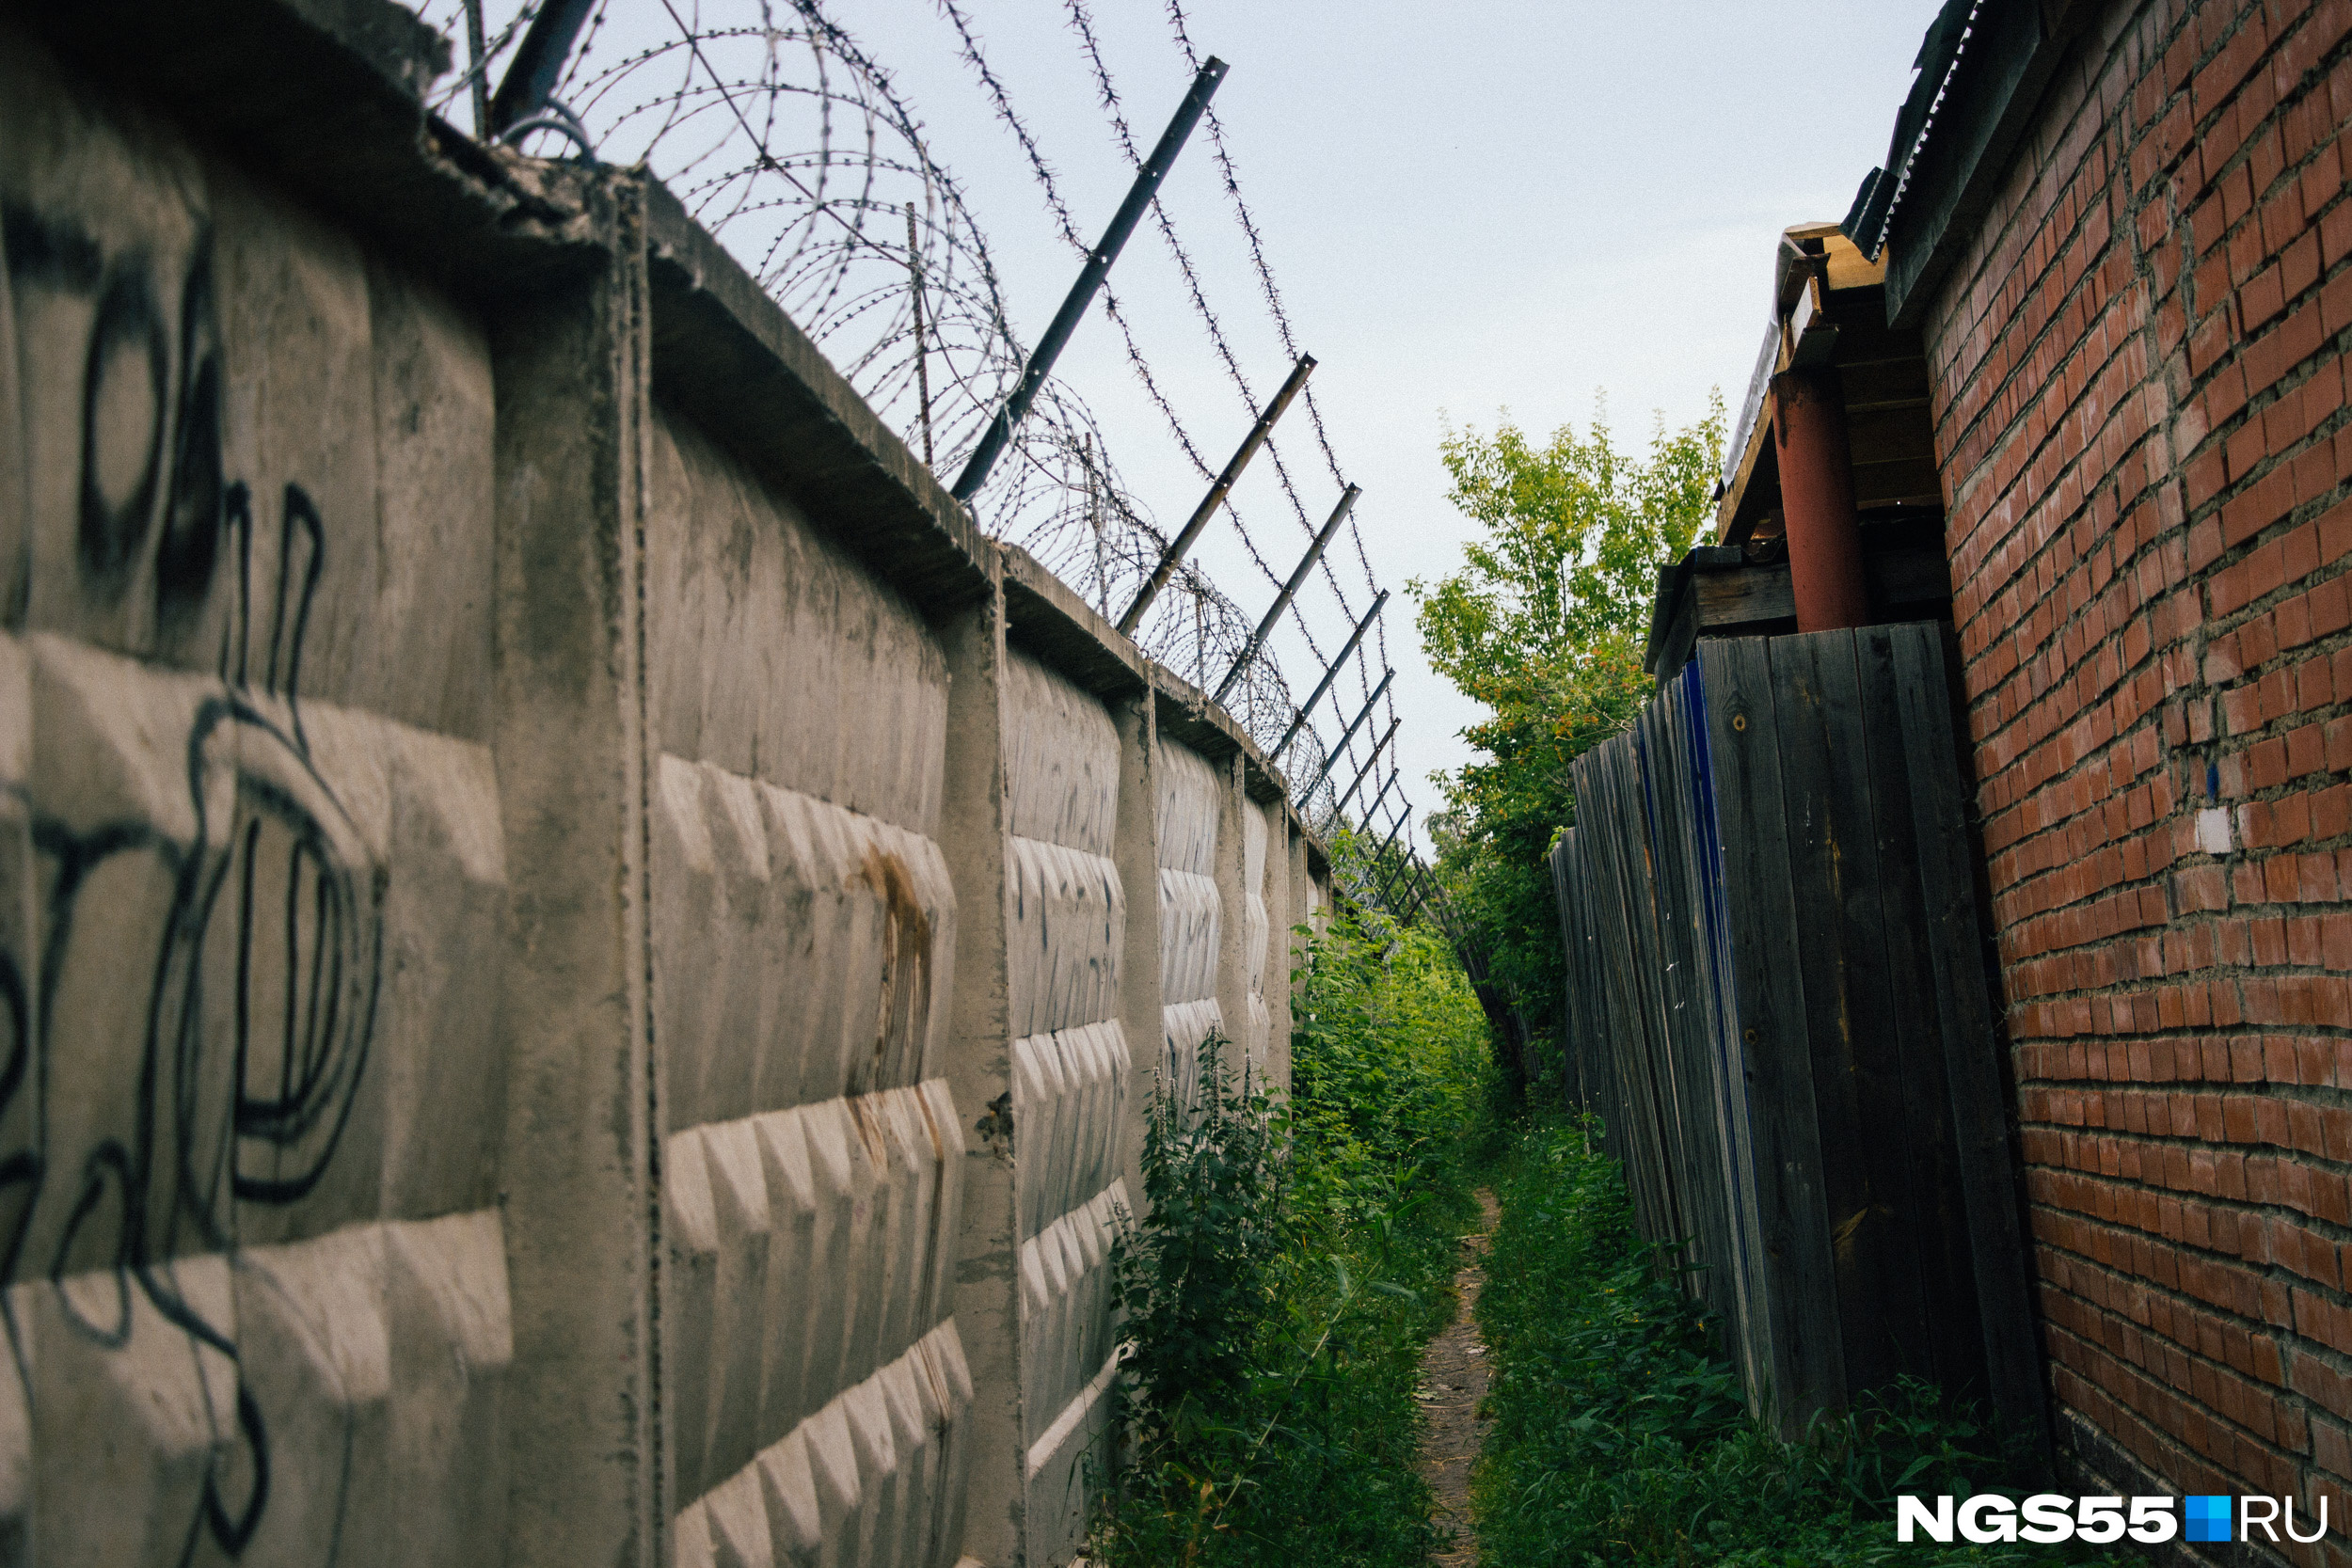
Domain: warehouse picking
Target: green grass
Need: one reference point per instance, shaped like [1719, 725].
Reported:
[1620, 1436]
[1279, 1294]
[1308, 1462]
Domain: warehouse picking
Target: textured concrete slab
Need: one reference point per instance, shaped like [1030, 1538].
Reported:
[543, 1025]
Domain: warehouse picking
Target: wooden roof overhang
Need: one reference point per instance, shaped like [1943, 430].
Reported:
[1830, 312]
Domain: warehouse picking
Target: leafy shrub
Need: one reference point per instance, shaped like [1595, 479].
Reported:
[1390, 1064]
[1191, 1280]
[1621, 1436]
[1292, 1258]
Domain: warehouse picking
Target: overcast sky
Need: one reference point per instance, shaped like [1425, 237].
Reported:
[1483, 211]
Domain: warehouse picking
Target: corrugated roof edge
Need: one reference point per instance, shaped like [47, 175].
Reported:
[1939, 54]
[1982, 68]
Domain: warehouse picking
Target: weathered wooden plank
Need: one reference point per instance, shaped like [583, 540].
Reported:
[1626, 1139]
[1571, 940]
[1744, 595]
[1806, 1370]
[1674, 645]
[1717, 1256]
[1811, 775]
[1718, 1003]
[1938, 1208]
[1827, 762]
[1619, 1126]
[1600, 1061]
[1662, 970]
[1622, 900]
[1584, 1034]
[1592, 1015]
[1637, 901]
[1963, 1005]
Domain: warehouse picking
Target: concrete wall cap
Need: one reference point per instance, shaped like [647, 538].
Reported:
[726, 354]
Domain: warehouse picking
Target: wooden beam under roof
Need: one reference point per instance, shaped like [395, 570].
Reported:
[1830, 309]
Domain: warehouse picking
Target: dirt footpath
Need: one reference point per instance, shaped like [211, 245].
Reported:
[1453, 1382]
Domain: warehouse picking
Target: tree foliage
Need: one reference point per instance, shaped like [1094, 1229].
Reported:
[1544, 625]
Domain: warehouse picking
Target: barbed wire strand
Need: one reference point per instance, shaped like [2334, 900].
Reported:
[813, 244]
[1082, 22]
[1001, 102]
[1182, 26]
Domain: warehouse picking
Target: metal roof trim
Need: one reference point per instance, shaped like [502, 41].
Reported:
[1883, 189]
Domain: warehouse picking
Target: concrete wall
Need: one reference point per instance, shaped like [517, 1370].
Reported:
[1192, 914]
[803, 953]
[1065, 934]
[571, 983]
[256, 867]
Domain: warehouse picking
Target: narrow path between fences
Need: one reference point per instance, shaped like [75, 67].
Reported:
[1452, 1384]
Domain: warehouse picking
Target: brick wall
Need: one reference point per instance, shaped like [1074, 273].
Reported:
[2140, 407]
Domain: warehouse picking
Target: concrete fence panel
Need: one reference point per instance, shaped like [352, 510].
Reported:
[1066, 935]
[256, 1282]
[570, 985]
[803, 945]
[1191, 913]
[1255, 931]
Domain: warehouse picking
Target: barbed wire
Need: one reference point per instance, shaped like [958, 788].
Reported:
[1082, 25]
[790, 143]
[1273, 295]
[1001, 103]
[782, 135]
[1217, 633]
[1082, 22]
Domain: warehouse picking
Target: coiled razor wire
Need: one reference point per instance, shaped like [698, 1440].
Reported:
[786, 139]
[781, 137]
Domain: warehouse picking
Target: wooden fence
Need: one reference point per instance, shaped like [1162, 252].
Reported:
[1778, 1004]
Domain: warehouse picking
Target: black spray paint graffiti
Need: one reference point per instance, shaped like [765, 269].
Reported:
[237, 1080]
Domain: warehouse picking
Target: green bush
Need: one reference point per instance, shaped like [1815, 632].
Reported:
[1621, 1436]
[1390, 1064]
[1292, 1259]
[1192, 1281]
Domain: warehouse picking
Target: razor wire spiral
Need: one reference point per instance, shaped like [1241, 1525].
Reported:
[787, 140]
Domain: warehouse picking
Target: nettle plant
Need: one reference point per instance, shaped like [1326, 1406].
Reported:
[1192, 1278]
[1270, 1354]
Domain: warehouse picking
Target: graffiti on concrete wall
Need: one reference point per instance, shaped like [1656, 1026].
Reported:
[188, 1032]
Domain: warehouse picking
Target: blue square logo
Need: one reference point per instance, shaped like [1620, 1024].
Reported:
[2206, 1518]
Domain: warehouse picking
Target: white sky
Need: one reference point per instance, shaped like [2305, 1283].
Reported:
[1500, 206]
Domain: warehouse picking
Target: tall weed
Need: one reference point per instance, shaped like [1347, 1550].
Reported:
[1192, 1283]
[1292, 1256]
[1621, 1436]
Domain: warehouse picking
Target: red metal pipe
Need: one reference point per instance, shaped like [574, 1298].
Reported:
[1816, 501]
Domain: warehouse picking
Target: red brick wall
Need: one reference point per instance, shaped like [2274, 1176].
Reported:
[2141, 416]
